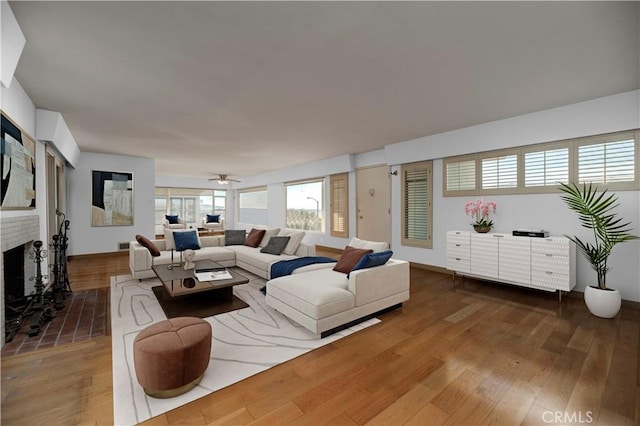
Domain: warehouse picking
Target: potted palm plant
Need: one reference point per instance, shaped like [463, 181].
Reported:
[595, 212]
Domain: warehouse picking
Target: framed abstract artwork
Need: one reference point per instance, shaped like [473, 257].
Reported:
[111, 198]
[17, 168]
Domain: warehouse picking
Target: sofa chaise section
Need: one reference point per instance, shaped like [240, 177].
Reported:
[325, 301]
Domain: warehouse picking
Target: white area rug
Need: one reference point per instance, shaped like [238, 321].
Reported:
[245, 342]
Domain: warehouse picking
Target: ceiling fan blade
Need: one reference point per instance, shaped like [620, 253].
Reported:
[223, 177]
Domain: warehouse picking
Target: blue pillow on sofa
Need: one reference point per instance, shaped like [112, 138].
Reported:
[173, 219]
[186, 240]
[215, 218]
[373, 259]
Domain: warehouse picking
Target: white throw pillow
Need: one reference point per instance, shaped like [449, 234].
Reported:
[171, 243]
[295, 238]
[376, 246]
[269, 232]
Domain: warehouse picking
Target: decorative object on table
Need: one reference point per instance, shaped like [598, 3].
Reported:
[189, 254]
[17, 168]
[480, 211]
[595, 212]
[111, 198]
[535, 233]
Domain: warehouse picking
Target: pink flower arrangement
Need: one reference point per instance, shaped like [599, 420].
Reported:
[480, 211]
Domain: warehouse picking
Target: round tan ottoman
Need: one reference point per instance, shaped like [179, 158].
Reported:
[171, 356]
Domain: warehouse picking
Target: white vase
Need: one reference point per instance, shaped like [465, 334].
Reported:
[602, 303]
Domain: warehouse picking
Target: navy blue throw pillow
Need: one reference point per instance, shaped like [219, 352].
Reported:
[215, 218]
[373, 259]
[173, 219]
[186, 240]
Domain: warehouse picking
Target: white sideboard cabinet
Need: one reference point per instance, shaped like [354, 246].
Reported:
[541, 263]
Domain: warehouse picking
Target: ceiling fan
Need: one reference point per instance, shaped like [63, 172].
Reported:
[224, 179]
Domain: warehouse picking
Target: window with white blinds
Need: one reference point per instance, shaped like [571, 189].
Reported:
[546, 168]
[416, 204]
[609, 160]
[253, 206]
[500, 172]
[460, 175]
[339, 194]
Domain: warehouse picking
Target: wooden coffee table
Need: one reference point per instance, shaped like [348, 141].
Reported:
[181, 294]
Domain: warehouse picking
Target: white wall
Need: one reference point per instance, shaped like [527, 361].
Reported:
[609, 114]
[86, 239]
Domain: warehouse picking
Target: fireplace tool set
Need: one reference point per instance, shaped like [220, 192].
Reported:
[38, 305]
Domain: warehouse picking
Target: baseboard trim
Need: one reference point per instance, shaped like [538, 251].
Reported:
[98, 255]
[430, 268]
[576, 294]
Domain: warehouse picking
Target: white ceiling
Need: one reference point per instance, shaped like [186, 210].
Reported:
[249, 87]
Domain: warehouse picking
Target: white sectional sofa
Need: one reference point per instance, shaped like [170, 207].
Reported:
[213, 247]
[325, 301]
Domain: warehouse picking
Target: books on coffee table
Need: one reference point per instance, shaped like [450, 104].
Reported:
[213, 275]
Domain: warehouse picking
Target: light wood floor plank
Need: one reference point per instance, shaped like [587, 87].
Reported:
[473, 353]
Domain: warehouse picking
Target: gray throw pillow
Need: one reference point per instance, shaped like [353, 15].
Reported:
[233, 237]
[276, 245]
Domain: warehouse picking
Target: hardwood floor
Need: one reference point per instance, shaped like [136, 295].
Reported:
[478, 353]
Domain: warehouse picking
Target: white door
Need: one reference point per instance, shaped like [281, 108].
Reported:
[373, 203]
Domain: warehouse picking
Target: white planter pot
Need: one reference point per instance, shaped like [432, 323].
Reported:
[602, 303]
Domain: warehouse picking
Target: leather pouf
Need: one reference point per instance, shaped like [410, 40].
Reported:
[171, 356]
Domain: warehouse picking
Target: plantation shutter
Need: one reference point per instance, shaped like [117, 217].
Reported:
[461, 175]
[500, 172]
[339, 195]
[607, 162]
[546, 168]
[416, 188]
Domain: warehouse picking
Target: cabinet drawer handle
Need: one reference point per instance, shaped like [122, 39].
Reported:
[548, 272]
[457, 245]
[498, 236]
[548, 254]
[457, 258]
[457, 233]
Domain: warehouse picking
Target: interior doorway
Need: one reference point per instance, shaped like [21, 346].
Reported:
[373, 203]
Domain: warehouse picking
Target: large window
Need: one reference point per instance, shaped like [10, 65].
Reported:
[191, 204]
[609, 160]
[417, 208]
[305, 205]
[339, 194]
[252, 206]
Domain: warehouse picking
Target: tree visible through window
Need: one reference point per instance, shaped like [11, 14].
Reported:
[305, 206]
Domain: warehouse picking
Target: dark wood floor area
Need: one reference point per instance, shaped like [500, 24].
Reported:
[478, 353]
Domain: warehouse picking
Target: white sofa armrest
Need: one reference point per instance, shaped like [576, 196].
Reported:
[139, 256]
[369, 285]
